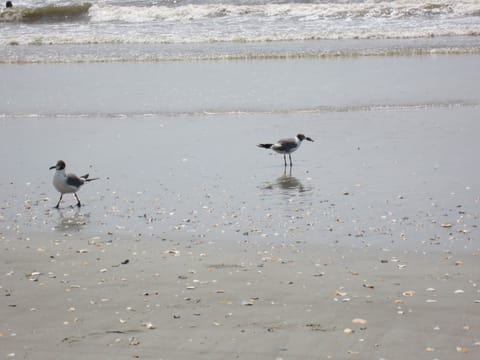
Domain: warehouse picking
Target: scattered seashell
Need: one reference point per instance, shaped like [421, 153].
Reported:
[173, 252]
[430, 349]
[359, 321]
[347, 331]
[446, 225]
[133, 341]
[82, 251]
[408, 293]
[149, 325]
[459, 291]
[459, 262]
[247, 303]
[462, 350]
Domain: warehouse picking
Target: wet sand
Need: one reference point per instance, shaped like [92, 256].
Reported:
[180, 261]
[195, 243]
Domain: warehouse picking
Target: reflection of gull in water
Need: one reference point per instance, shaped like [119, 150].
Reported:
[288, 182]
[72, 220]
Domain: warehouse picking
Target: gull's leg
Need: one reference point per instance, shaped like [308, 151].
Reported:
[78, 200]
[58, 204]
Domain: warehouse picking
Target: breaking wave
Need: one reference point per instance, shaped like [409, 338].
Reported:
[48, 13]
[286, 11]
[204, 23]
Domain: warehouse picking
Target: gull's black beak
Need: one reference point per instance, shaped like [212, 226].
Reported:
[52, 167]
[309, 139]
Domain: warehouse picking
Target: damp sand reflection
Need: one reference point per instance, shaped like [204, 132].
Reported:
[71, 220]
[289, 185]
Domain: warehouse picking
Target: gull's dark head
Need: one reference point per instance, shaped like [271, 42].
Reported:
[302, 137]
[59, 166]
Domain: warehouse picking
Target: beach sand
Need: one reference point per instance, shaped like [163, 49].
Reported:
[195, 243]
[83, 297]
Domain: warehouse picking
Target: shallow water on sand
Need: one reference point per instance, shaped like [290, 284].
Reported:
[382, 177]
[174, 144]
[226, 87]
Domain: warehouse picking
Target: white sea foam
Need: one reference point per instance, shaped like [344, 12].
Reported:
[121, 22]
[299, 11]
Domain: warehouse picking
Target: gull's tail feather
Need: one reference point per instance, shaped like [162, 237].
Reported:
[265, 146]
[85, 177]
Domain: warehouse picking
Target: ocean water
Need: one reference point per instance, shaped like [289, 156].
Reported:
[154, 30]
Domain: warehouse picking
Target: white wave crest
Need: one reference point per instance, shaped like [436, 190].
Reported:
[300, 11]
[213, 23]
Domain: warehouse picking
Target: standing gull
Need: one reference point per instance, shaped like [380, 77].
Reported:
[67, 183]
[286, 146]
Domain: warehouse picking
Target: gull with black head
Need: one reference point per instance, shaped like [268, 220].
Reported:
[286, 146]
[67, 183]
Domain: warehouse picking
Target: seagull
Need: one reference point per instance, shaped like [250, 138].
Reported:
[67, 183]
[286, 146]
